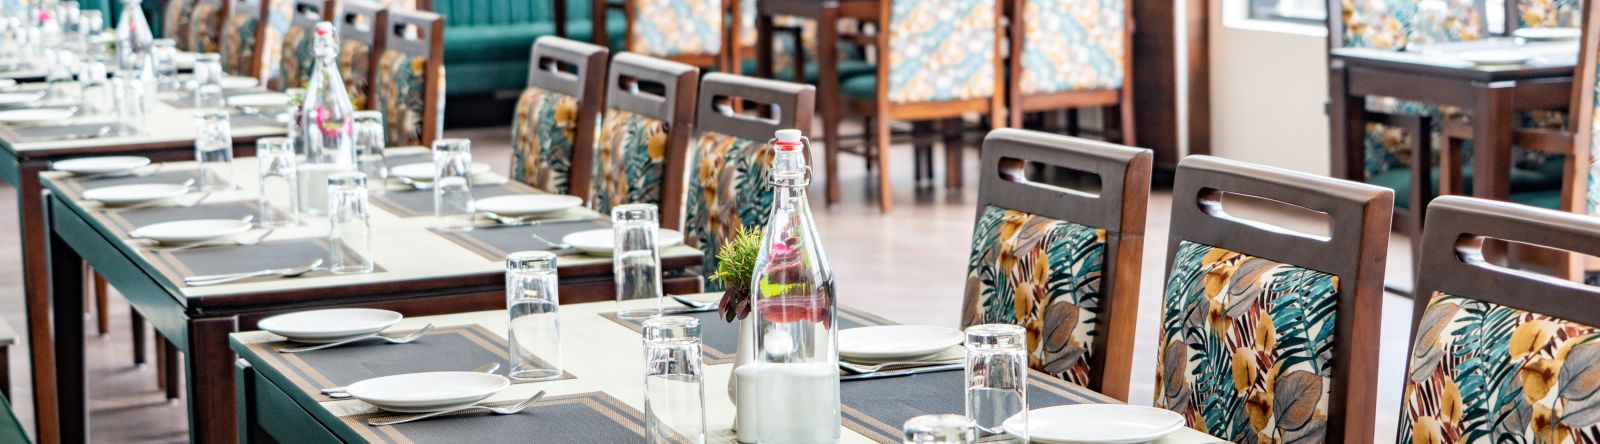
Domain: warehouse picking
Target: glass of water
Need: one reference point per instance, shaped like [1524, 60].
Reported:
[128, 99]
[213, 148]
[532, 302]
[98, 97]
[674, 381]
[59, 75]
[208, 82]
[349, 231]
[452, 183]
[940, 429]
[165, 52]
[997, 377]
[279, 200]
[637, 259]
[368, 140]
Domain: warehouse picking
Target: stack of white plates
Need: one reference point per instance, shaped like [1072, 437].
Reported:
[191, 231]
[427, 392]
[602, 242]
[424, 171]
[1095, 423]
[20, 97]
[36, 115]
[106, 165]
[896, 342]
[136, 193]
[234, 83]
[528, 205]
[332, 325]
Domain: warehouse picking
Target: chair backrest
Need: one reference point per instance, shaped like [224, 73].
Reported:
[686, 30]
[1391, 24]
[644, 136]
[728, 182]
[1059, 56]
[552, 139]
[360, 43]
[243, 35]
[1066, 264]
[1577, 195]
[1543, 13]
[1518, 347]
[1283, 314]
[410, 80]
[940, 51]
[205, 33]
[298, 54]
[175, 22]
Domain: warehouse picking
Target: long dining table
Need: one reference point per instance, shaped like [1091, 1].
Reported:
[419, 270]
[599, 398]
[167, 133]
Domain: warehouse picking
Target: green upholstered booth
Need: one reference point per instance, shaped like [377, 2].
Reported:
[487, 41]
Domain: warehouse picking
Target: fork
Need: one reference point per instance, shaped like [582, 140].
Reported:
[401, 340]
[340, 393]
[863, 368]
[507, 410]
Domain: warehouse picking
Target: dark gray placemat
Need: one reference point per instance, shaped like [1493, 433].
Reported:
[495, 242]
[124, 221]
[413, 203]
[52, 133]
[397, 160]
[593, 417]
[877, 408]
[244, 258]
[719, 340]
[458, 348]
[74, 186]
[240, 120]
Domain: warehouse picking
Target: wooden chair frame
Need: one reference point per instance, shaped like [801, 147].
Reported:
[587, 85]
[1019, 103]
[675, 107]
[794, 103]
[1119, 208]
[429, 43]
[1355, 251]
[377, 17]
[224, 11]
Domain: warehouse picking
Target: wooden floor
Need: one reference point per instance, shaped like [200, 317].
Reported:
[909, 266]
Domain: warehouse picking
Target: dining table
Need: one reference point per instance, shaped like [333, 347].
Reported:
[166, 133]
[419, 269]
[598, 398]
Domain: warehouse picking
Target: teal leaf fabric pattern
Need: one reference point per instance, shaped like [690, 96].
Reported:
[630, 160]
[728, 191]
[542, 139]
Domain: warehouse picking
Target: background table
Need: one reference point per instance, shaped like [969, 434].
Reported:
[603, 356]
[423, 273]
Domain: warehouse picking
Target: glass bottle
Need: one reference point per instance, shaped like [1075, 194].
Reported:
[133, 35]
[325, 124]
[794, 381]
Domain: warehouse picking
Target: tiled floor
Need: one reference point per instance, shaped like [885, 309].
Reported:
[909, 266]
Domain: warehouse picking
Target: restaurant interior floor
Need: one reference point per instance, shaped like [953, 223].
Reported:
[908, 266]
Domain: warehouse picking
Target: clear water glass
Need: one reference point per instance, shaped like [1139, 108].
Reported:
[674, 381]
[165, 52]
[452, 183]
[90, 24]
[99, 98]
[350, 229]
[213, 149]
[637, 259]
[368, 135]
[279, 201]
[997, 376]
[940, 429]
[533, 305]
[59, 76]
[208, 82]
[128, 92]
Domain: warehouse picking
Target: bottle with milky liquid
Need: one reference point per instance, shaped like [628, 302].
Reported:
[325, 126]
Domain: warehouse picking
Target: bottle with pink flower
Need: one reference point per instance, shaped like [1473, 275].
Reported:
[325, 125]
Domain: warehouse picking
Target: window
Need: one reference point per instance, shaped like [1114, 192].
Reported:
[1311, 12]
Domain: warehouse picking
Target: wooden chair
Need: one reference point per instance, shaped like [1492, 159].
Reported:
[1075, 255]
[298, 55]
[1543, 14]
[244, 38]
[409, 84]
[1292, 317]
[1053, 68]
[644, 137]
[205, 33]
[685, 31]
[175, 21]
[922, 87]
[736, 120]
[552, 138]
[1517, 347]
[359, 46]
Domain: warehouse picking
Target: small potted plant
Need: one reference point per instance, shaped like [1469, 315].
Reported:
[736, 264]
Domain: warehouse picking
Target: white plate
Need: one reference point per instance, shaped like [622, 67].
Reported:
[18, 98]
[1548, 34]
[263, 100]
[414, 392]
[601, 242]
[425, 170]
[7, 83]
[136, 193]
[1496, 57]
[1096, 423]
[188, 231]
[101, 165]
[36, 115]
[318, 326]
[238, 82]
[896, 341]
[184, 60]
[527, 204]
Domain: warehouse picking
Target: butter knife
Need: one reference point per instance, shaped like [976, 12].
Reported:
[907, 372]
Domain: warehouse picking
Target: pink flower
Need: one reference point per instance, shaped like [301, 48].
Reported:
[326, 122]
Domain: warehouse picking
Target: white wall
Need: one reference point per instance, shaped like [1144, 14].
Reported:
[1269, 85]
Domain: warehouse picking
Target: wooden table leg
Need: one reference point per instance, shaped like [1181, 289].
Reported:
[66, 283]
[209, 364]
[1491, 138]
[138, 336]
[169, 373]
[102, 304]
[1345, 113]
[828, 92]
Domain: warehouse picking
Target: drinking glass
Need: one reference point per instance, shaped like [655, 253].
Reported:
[128, 98]
[213, 149]
[674, 381]
[69, 14]
[637, 259]
[59, 75]
[208, 82]
[99, 97]
[349, 231]
[532, 302]
[452, 183]
[940, 429]
[165, 52]
[90, 24]
[279, 200]
[997, 376]
[368, 139]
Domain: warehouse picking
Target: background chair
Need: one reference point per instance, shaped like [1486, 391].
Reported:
[360, 44]
[1072, 54]
[552, 138]
[1062, 263]
[205, 31]
[685, 31]
[736, 120]
[1267, 333]
[644, 137]
[175, 22]
[244, 38]
[1518, 347]
[1543, 13]
[298, 55]
[409, 84]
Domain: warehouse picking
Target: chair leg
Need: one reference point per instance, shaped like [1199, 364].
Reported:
[871, 143]
[1125, 116]
[922, 152]
[1072, 121]
[136, 320]
[954, 147]
[102, 304]
[5, 372]
[161, 363]
[881, 127]
[170, 377]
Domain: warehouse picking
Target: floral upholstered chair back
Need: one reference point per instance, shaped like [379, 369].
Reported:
[1266, 332]
[1061, 263]
[643, 135]
[410, 79]
[552, 138]
[297, 53]
[241, 34]
[675, 28]
[1500, 355]
[359, 23]
[942, 50]
[175, 22]
[205, 29]
[729, 188]
[1073, 45]
[1549, 13]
